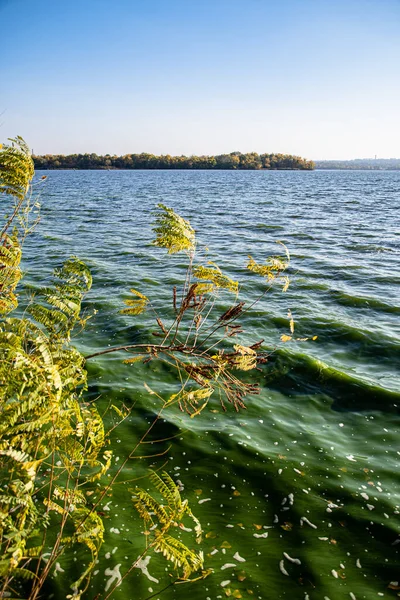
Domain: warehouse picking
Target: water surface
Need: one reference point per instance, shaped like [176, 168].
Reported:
[311, 468]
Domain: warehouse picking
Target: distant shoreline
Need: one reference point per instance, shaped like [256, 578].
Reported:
[233, 161]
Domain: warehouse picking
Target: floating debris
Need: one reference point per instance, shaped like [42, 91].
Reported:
[282, 568]
[114, 575]
[305, 520]
[351, 458]
[239, 558]
[228, 566]
[142, 564]
[295, 561]
[58, 569]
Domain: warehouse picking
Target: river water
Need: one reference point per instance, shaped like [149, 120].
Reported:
[310, 470]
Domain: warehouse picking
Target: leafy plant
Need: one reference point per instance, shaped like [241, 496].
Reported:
[159, 519]
[53, 444]
[197, 339]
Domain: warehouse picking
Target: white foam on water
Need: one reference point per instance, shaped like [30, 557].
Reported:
[114, 575]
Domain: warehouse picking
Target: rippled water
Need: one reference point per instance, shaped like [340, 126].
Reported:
[311, 468]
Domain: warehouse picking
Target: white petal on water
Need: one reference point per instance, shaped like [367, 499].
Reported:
[291, 499]
[115, 530]
[323, 539]
[228, 566]
[351, 458]
[364, 495]
[282, 568]
[295, 561]
[204, 500]
[225, 583]
[370, 506]
[113, 574]
[58, 569]
[335, 574]
[358, 564]
[141, 564]
[214, 551]
[352, 596]
[305, 520]
[261, 535]
[239, 558]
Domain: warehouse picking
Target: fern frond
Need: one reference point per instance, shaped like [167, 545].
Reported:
[145, 504]
[16, 168]
[168, 489]
[137, 305]
[274, 266]
[215, 275]
[245, 359]
[172, 231]
[179, 554]
[10, 273]
[72, 281]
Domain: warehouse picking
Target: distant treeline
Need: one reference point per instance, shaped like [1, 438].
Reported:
[235, 160]
[360, 163]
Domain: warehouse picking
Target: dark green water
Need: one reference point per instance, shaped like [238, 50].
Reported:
[311, 468]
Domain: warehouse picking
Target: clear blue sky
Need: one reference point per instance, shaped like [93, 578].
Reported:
[318, 78]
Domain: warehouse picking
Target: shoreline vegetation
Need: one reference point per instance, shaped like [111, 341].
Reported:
[232, 161]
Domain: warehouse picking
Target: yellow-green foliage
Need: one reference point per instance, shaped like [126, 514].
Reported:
[162, 518]
[136, 305]
[43, 420]
[172, 231]
[16, 168]
[275, 265]
[215, 275]
[10, 273]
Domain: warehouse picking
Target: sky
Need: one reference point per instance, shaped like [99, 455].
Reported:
[315, 78]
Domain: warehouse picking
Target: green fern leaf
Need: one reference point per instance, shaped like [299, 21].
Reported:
[172, 231]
